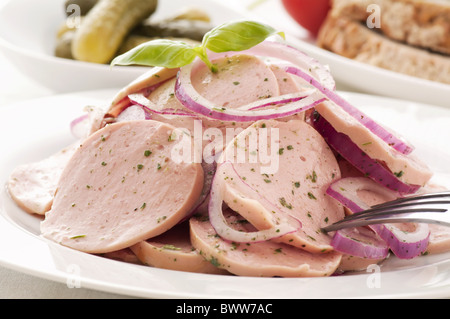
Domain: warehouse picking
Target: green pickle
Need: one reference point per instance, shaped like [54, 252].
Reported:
[106, 26]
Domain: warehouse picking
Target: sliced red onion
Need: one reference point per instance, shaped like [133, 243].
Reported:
[209, 170]
[282, 106]
[143, 101]
[88, 123]
[360, 242]
[79, 126]
[354, 155]
[398, 143]
[345, 190]
[404, 244]
[287, 53]
[281, 226]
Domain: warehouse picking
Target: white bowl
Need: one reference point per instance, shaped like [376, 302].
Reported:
[28, 36]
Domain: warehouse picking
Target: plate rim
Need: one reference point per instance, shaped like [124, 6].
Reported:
[120, 288]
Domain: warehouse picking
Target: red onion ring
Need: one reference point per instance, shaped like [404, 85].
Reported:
[192, 100]
[317, 76]
[353, 154]
[290, 54]
[360, 242]
[219, 223]
[344, 191]
[209, 169]
[78, 126]
[292, 103]
[405, 245]
[397, 143]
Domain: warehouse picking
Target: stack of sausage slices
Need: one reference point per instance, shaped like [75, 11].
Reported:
[231, 171]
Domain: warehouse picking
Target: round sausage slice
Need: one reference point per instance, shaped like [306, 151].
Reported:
[290, 166]
[241, 79]
[121, 187]
[150, 78]
[173, 250]
[261, 259]
[33, 185]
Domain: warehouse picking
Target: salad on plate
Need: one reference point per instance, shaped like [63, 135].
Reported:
[229, 157]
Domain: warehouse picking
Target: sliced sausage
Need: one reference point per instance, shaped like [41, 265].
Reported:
[121, 187]
[262, 259]
[173, 250]
[32, 186]
[295, 179]
[408, 168]
[439, 241]
[154, 76]
[125, 255]
[240, 79]
[287, 83]
[352, 263]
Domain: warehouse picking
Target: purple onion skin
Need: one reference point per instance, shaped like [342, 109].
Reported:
[353, 154]
[401, 249]
[346, 244]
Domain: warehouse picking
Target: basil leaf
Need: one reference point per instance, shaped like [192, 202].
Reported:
[231, 36]
[161, 52]
[237, 36]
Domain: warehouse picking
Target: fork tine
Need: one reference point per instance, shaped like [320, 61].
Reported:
[436, 207]
[380, 214]
[380, 209]
[424, 217]
[427, 213]
[414, 198]
[426, 208]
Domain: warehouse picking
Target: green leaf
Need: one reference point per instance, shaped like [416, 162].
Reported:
[237, 36]
[231, 36]
[161, 52]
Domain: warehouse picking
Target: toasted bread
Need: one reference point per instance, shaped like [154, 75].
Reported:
[421, 23]
[411, 37]
[354, 40]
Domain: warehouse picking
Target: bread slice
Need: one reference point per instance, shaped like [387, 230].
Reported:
[355, 40]
[422, 23]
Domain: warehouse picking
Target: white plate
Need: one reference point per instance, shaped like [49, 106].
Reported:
[27, 38]
[35, 129]
[357, 75]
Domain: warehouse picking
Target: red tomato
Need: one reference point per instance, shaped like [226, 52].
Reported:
[310, 14]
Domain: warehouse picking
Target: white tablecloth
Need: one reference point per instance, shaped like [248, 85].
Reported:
[15, 87]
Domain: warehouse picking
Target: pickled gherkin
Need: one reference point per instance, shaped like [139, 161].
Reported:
[106, 26]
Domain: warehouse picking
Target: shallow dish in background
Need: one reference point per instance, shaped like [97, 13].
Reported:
[28, 36]
[23, 249]
[375, 80]
[352, 74]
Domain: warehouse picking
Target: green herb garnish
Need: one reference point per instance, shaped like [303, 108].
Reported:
[230, 36]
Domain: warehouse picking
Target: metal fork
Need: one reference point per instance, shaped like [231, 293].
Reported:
[431, 208]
